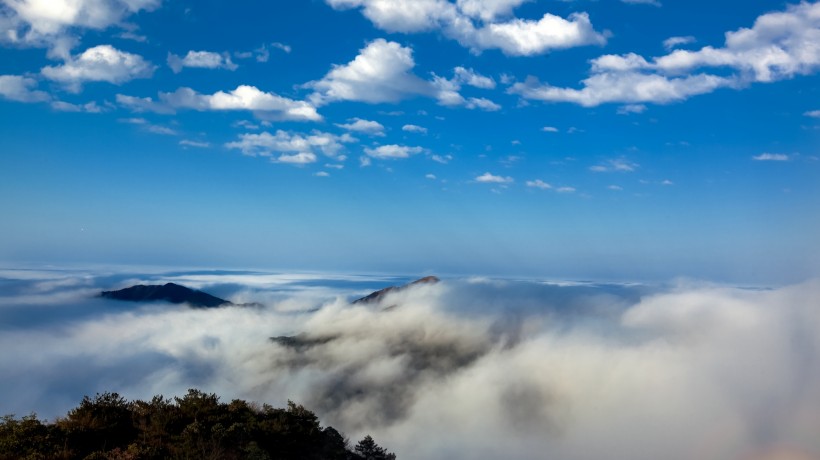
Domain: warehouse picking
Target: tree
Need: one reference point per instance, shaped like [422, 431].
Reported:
[367, 449]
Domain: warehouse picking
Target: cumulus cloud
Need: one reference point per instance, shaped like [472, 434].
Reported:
[674, 42]
[813, 113]
[268, 106]
[466, 369]
[291, 147]
[771, 157]
[197, 144]
[488, 178]
[538, 183]
[393, 151]
[549, 129]
[631, 108]
[448, 91]
[479, 24]
[414, 129]
[49, 22]
[201, 60]
[780, 45]
[100, 63]
[369, 127]
[21, 89]
[382, 72]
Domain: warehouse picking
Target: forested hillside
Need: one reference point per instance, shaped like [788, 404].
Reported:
[196, 426]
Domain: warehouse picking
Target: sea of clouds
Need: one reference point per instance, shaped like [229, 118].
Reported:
[468, 368]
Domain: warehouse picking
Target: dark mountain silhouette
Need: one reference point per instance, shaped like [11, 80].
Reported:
[379, 295]
[169, 292]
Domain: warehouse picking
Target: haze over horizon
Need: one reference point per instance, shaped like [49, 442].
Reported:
[622, 140]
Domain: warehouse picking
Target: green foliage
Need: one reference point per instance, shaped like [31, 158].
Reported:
[195, 426]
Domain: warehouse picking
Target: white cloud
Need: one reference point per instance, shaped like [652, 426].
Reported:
[100, 63]
[538, 183]
[673, 42]
[631, 108]
[267, 144]
[393, 151]
[643, 2]
[322, 174]
[471, 78]
[443, 159]
[481, 103]
[197, 144]
[201, 60]
[475, 24]
[430, 176]
[616, 188]
[780, 45]
[20, 89]
[365, 161]
[448, 90]
[812, 113]
[244, 97]
[565, 190]
[49, 23]
[771, 157]
[414, 129]
[615, 165]
[488, 178]
[301, 158]
[372, 128]
[623, 87]
[164, 130]
[52, 16]
[520, 37]
[549, 129]
[142, 104]
[382, 72]
[89, 107]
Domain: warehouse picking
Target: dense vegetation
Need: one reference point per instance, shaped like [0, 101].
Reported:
[196, 426]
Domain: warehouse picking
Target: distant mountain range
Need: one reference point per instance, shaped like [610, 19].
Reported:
[168, 292]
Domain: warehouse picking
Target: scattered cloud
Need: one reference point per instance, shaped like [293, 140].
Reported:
[322, 174]
[414, 129]
[565, 190]
[643, 2]
[480, 25]
[89, 107]
[549, 129]
[778, 46]
[269, 106]
[369, 127]
[49, 23]
[616, 188]
[430, 176]
[163, 130]
[201, 60]
[21, 89]
[197, 144]
[615, 165]
[813, 113]
[448, 91]
[392, 151]
[674, 42]
[443, 159]
[100, 63]
[538, 183]
[488, 178]
[771, 157]
[631, 108]
[471, 78]
[296, 148]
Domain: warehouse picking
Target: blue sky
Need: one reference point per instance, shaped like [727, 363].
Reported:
[583, 139]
